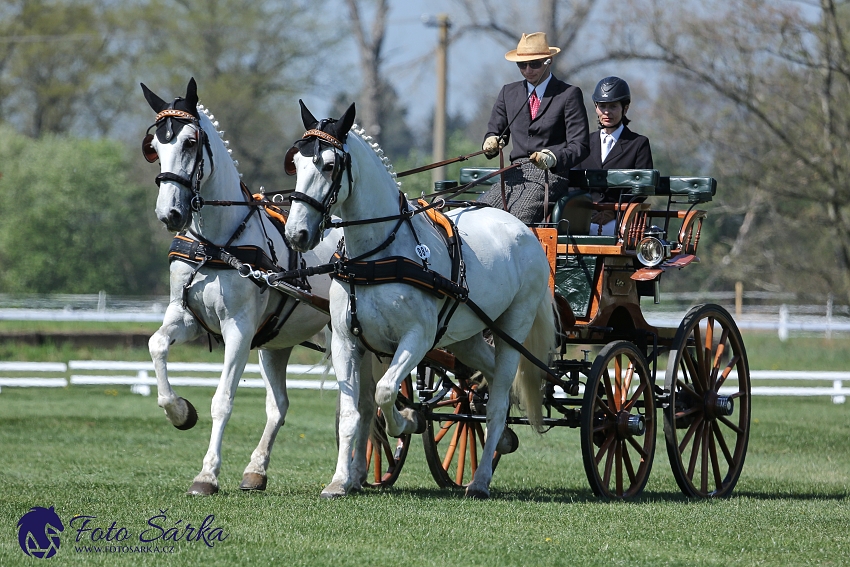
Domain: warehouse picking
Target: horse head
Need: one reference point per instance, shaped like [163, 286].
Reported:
[181, 145]
[323, 167]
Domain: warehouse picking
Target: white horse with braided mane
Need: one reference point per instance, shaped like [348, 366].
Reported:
[506, 273]
[196, 167]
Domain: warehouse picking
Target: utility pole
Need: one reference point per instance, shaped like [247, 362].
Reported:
[439, 147]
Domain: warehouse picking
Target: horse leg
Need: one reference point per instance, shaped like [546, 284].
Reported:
[237, 343]
[499, 382]
[347, 359]
[366, 408]
[409, 353]
[273, 368]
[177, 327]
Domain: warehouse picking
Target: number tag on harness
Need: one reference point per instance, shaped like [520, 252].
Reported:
[423, 251]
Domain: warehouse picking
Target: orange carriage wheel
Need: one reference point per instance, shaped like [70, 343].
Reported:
[385, 455]
[453, 446]
[618, 422]
[707, 417]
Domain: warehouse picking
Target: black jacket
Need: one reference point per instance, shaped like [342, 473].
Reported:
[631, 151]
[560, 124]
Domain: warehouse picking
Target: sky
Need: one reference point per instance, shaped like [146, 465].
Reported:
[476, 63]
[409, 54]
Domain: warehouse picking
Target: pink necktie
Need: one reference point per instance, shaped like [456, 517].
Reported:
[534, 104]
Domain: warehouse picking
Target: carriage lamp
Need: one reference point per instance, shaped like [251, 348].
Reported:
[652, 248]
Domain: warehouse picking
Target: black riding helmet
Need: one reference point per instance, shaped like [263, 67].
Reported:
[612, 89]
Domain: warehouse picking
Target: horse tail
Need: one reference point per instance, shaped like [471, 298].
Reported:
[540, 342]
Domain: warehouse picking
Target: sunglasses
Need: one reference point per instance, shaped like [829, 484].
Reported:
[533, 64]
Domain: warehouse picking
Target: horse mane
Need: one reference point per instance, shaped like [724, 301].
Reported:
[206, 112]
[361, 133]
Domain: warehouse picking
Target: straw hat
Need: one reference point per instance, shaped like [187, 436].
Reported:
[530, 47]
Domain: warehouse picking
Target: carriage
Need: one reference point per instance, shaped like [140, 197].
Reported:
[598, 283]
[595, 284]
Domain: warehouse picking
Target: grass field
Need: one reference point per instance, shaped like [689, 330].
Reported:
[107, 453]
[113, 455]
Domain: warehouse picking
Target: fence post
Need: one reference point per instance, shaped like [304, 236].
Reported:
[839, 399]
[739, 299]
[783, 323]
[829, 301]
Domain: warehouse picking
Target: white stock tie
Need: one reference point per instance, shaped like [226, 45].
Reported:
[607, 144]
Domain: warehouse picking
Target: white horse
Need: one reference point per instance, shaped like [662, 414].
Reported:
[506, 272]
[195, 166]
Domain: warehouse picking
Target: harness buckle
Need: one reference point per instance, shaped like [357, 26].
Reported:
[196, 203]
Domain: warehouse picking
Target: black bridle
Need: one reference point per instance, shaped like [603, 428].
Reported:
[193, 182]
[316, 140]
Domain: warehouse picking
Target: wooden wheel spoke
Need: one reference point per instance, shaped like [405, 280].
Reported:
[704, 460]
[721, 348]
[688, 389]
[731, 425]
[461, 459]
[618, 466]
[687, 412]
[698, 365]
[618, 381]
[444, 428]
[378, 468]
[612, 403]
[627, 384]
[691, 430]
[715, 465]
[369, 448]
[450, 452]
[690, 369]
[630, 469]
[726, 371]
[606, 477]
[737, 395]
[604, 449]
[695, 450]
[638, 447]
[708, 348]
[600, 403]
[447, 403]
[473, 452]
[718, 434]
[635, 397]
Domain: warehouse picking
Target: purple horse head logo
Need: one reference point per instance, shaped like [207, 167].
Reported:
[38, 532]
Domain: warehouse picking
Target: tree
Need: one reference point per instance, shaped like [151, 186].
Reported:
[73, 223]
[764, 89]
[562, 20]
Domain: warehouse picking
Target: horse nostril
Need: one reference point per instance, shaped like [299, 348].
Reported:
[174, 217]
[303, 236]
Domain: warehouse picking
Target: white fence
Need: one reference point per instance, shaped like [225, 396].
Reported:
[140, 377]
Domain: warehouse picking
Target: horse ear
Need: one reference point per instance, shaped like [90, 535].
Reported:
[345, 122]
[156, 103]
[192, 94]
[307, 117]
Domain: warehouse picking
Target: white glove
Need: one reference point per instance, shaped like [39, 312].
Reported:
[544, 159]
[492, 145]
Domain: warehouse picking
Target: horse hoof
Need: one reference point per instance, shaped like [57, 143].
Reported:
[253, 481]
[477, 494]
[333, 490]
[202, 489]
[191, 416]
[418, 419]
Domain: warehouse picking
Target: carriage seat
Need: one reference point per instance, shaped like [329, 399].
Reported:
[470, 174]
[577, 207]
[696, 189]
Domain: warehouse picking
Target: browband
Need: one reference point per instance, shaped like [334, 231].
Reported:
[323, 136]
[173, 113]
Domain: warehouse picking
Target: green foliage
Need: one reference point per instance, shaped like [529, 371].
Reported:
[72, 222]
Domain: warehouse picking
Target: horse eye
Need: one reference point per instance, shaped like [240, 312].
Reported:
[190, 143]
[328, 166]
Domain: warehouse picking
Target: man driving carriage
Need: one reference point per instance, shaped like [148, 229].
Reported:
[548, 121]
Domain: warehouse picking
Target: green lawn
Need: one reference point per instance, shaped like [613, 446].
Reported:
[113, 455]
